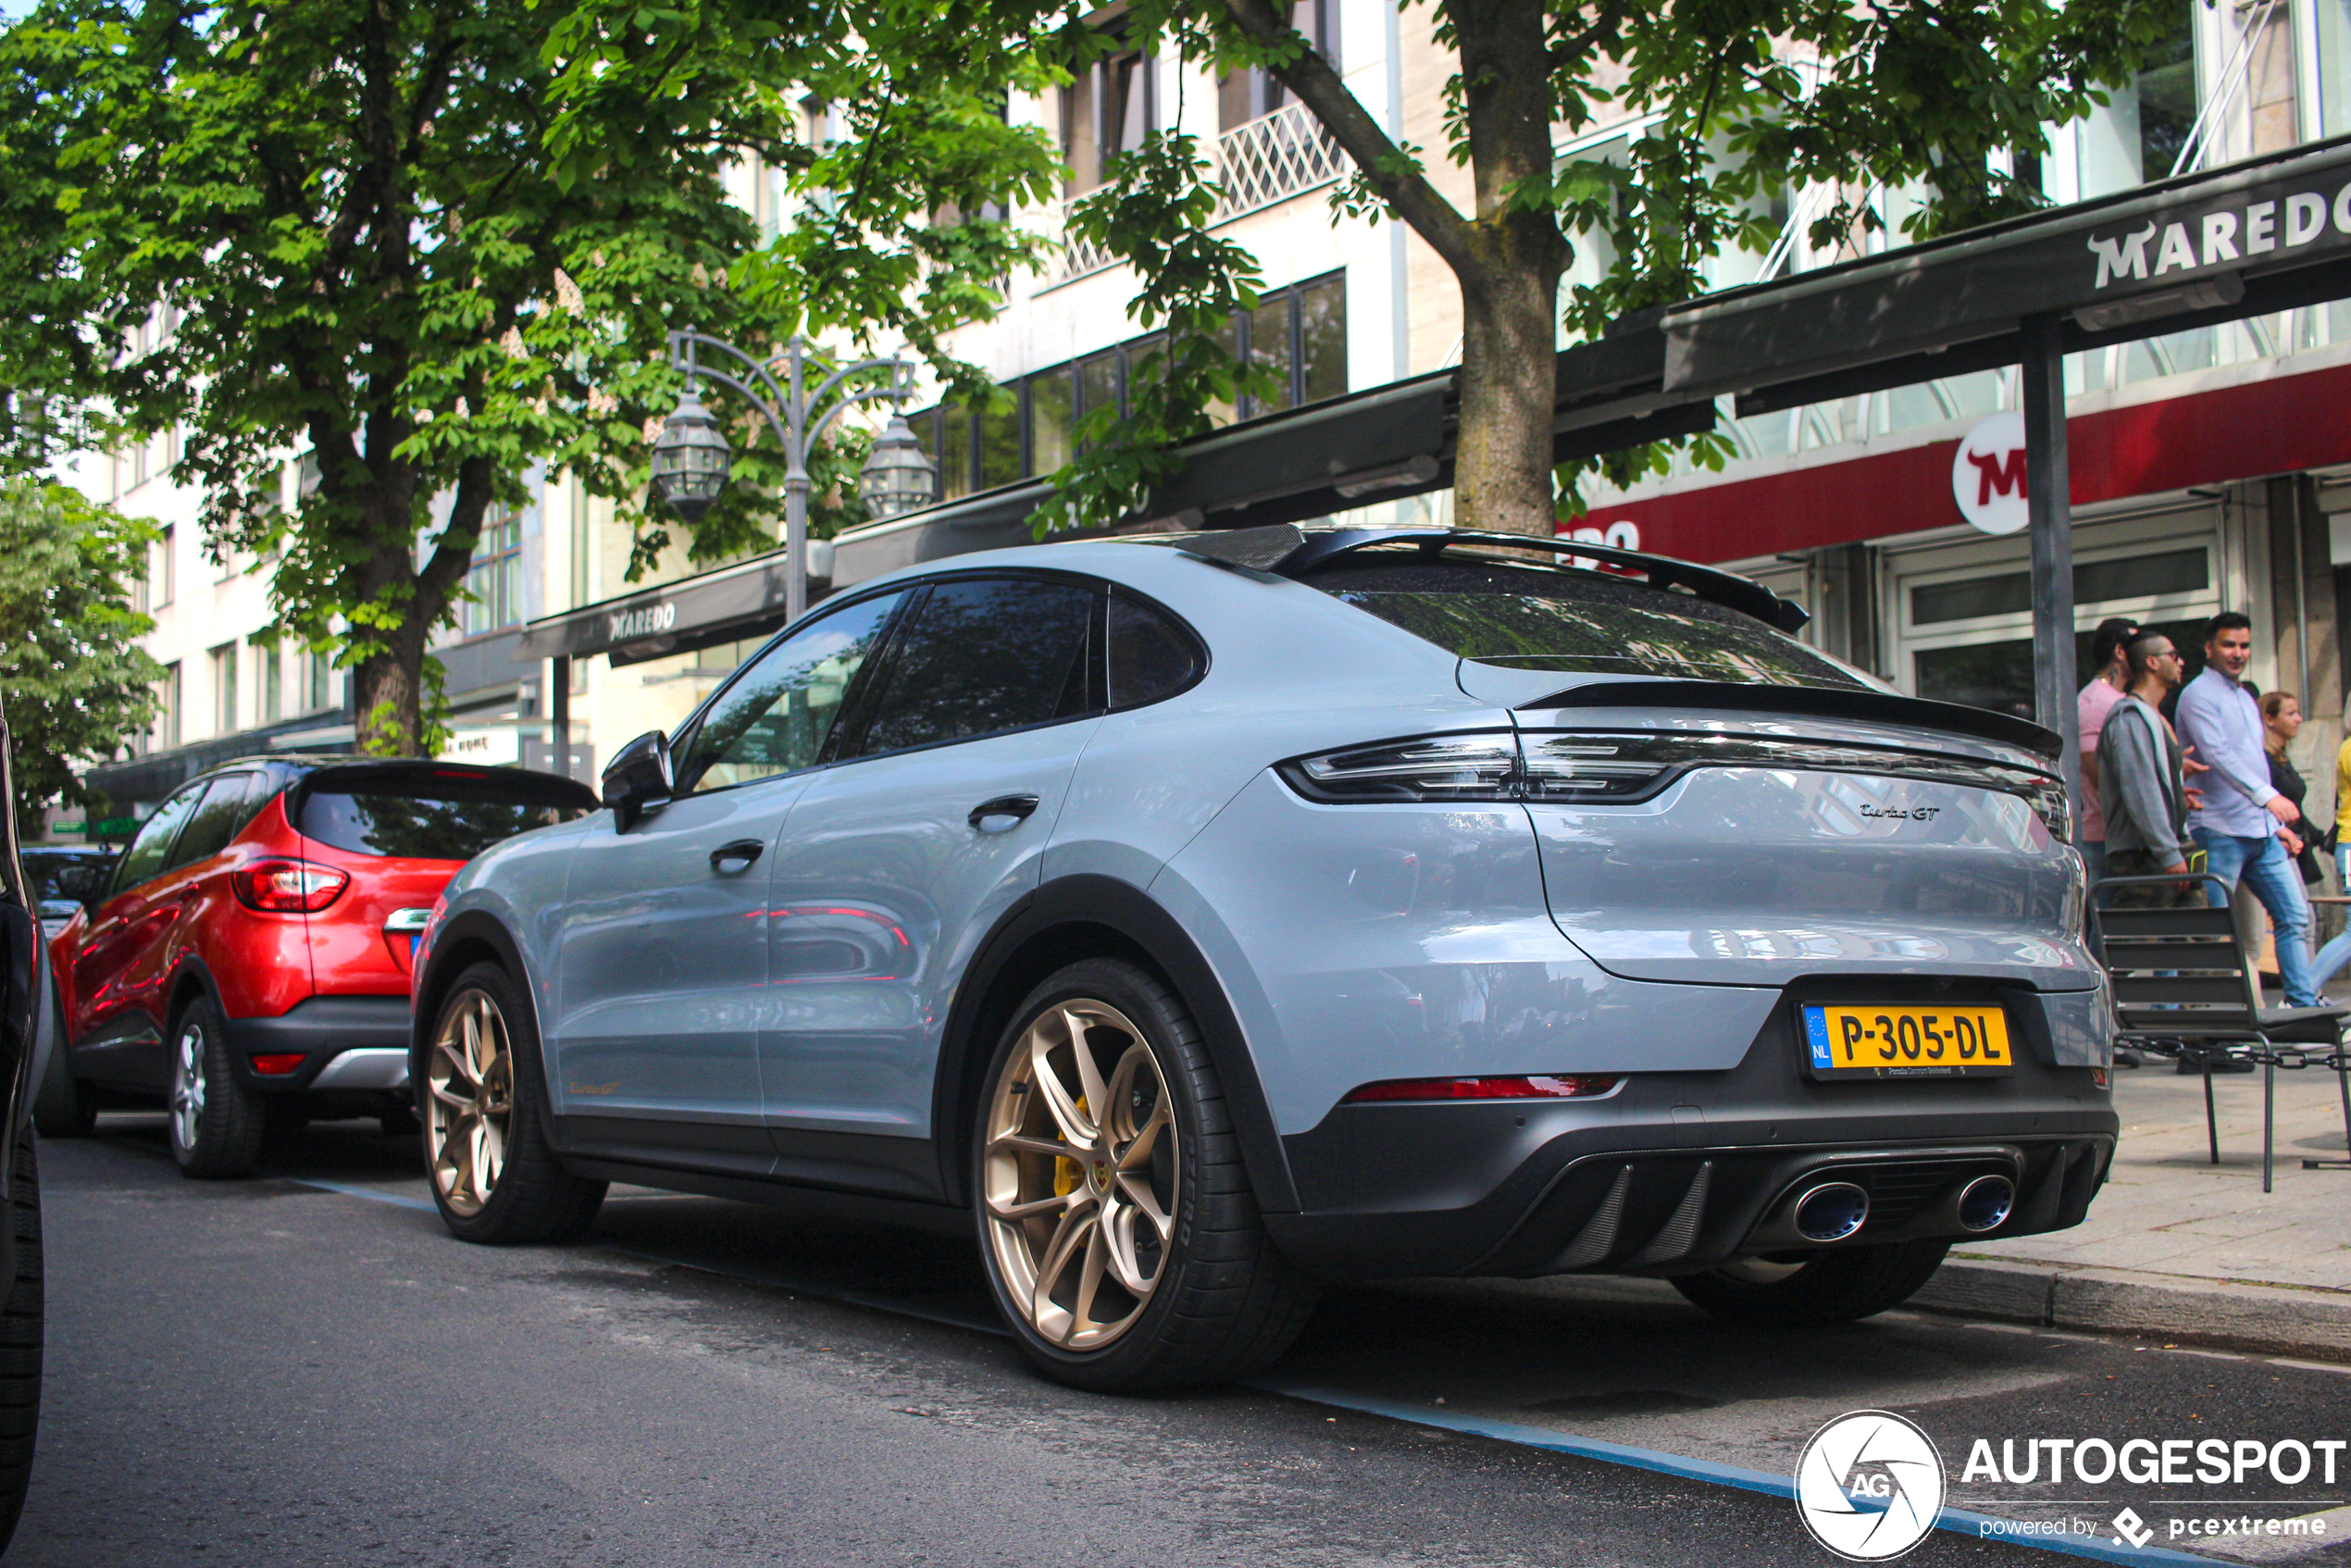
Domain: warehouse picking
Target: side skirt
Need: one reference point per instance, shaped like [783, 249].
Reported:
[938, 1219]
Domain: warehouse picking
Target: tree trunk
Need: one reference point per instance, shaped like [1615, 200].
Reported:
[387, 694]
[1503, 465]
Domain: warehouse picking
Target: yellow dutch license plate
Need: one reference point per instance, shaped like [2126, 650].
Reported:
[1907, 1042]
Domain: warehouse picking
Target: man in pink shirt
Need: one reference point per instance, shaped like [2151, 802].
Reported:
[2097, 700]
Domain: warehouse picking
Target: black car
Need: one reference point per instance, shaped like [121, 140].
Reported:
[23, 1019]
[62, 877]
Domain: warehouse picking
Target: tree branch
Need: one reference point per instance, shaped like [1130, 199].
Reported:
[1382, 162]
[1568, 53]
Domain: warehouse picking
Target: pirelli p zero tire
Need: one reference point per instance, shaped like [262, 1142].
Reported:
[483, 1103]
[1832, 1286]
[20, 1323]
[1117, 1224]
[216, 1122]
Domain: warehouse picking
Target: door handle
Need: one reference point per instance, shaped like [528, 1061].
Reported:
[745, 851]
[1001, 815]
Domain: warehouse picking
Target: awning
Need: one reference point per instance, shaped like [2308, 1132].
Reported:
[2261, 236]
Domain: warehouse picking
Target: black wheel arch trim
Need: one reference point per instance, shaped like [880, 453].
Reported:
[449, 942]
[1088, 899]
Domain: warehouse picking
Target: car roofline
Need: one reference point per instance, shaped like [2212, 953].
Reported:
[1291, 550]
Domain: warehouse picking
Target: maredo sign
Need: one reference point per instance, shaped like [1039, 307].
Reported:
[1987, 474]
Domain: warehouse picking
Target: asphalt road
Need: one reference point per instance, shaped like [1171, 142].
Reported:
[281, 1371]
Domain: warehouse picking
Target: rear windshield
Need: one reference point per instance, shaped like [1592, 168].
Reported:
[433, 818]
[1578, 622]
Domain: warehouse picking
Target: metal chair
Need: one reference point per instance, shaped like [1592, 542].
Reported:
[2185, 985]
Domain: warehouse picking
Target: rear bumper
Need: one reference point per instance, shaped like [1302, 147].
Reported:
[348, 1043]
[1677, 1172]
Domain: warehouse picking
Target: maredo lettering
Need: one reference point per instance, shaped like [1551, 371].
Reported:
[2231, 234]
[630, 624]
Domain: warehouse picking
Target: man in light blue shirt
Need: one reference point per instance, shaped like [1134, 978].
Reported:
[2240, 817]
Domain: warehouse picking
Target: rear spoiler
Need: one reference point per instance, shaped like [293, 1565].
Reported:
[1809, 702]
[553, 789]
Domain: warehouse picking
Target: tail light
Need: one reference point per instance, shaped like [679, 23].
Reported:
[278, 1064]
[1539, 1086]
[1434, 768]
[288, 886]
[1611, 769]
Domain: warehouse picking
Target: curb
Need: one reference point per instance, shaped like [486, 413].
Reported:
[2264, 1319]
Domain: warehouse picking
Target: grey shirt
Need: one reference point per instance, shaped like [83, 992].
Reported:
[2140, 785]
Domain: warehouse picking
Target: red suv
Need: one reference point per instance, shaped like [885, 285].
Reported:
[248, 960]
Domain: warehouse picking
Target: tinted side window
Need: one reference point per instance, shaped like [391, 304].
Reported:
[776, 715]
[984, 656]
[1149, 657]
[228, 805]
[152, 848]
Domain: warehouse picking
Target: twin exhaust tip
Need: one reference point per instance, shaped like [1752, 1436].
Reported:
[1985, 1203]
[1830, 1211]
[1834, 1210]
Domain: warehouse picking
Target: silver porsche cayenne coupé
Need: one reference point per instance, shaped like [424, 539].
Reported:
[1198, 917]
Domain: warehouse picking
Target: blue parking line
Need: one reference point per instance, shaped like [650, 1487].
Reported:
[350, 1190]
[1959, 1521]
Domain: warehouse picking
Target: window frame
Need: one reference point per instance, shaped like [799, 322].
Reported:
[930, 425]
[1186, 632]
[1094, 703]
[194, 789]
[254, 798]
[681, 744]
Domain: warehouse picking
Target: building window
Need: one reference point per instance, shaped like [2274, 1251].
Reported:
[1251, 94]
[168, 707]
[2138, 135]
[581, 534]
[495, 578]
[1107, 111]
[224, 689]
[1031, 429]
[319, 683]
[270, 670]
[165, 576]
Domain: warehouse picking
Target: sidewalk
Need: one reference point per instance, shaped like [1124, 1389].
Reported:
[2179, 1248]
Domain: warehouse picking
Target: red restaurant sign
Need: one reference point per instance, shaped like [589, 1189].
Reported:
[2276, 425]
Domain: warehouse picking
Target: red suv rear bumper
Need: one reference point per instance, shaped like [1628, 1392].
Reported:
[345, 1043]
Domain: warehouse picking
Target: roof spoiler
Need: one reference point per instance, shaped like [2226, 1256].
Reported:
[1711, 584]
[1811, 702]
[553, 787]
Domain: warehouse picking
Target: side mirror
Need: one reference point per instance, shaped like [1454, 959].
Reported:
[638, 776]
[85, 884]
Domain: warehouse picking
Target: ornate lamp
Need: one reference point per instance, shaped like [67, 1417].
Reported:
[691, 460]
[897, 477]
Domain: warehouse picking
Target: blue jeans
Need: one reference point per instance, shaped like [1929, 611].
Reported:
[2263, 865]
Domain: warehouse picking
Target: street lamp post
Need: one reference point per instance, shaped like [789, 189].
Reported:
[691, 460]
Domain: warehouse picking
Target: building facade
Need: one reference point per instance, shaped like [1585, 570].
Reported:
[2209, 466]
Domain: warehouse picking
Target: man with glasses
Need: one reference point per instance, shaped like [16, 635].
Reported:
[2142, 790]
[2241, 818]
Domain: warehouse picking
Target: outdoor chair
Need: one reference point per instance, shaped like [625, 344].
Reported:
[2184, 986]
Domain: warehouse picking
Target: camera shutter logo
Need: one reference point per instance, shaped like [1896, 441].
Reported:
[1870, 1485]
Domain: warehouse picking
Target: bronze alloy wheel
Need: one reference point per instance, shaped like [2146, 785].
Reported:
[471, 1102]
[1078, 1173]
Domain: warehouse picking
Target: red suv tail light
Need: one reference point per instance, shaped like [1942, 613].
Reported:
[288, 886]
